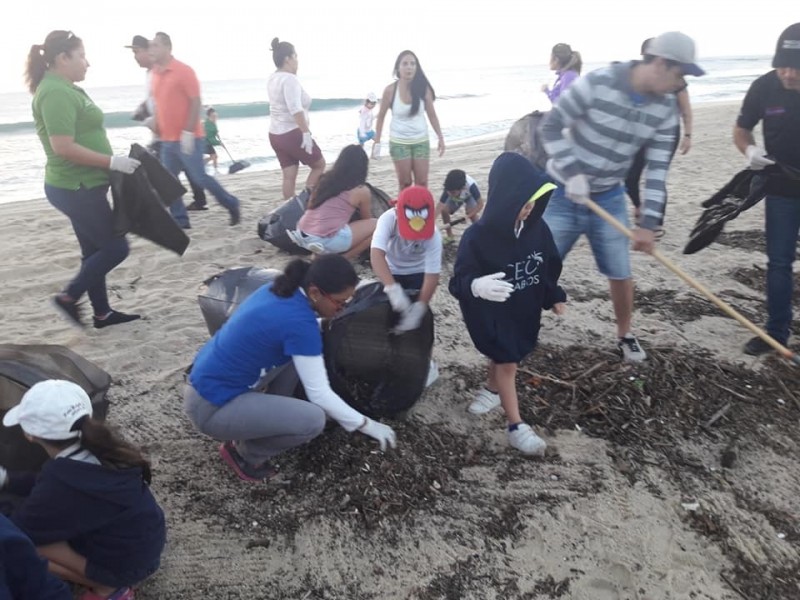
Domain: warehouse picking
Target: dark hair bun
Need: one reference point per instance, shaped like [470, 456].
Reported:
[275, 42]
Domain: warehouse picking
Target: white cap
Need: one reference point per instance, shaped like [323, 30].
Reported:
[371, 97]
[49, 410]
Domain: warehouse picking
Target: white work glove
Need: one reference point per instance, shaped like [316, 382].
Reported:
[412, 317]
[576, 188]
[123, 164]
[757, 158]
[492, 287]
[308, 142]
[376, 150]
[187, 142]
[383, 434]
[3, 477]
[397, 297]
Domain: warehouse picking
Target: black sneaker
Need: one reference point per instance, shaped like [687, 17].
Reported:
[114, 318]
[242, 468]
[196, 206]
[71, 309]
[630, 348]
[756, 347]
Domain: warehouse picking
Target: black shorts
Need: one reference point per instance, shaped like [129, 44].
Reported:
[210, 150]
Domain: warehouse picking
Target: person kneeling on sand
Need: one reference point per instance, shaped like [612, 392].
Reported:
[459, 189]
[506, 272]
[90, 512]
[242, 383]
[325, 227]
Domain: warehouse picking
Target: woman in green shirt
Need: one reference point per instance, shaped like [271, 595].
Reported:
[79, 158]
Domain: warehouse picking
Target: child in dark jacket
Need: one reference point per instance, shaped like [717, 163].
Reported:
[23, 574]
[90, 512]
[506, 272]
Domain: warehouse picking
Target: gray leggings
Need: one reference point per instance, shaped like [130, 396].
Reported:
[261, 424]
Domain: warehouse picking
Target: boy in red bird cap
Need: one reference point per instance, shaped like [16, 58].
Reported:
[406, 254]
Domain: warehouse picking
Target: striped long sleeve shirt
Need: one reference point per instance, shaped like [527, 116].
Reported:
[598, 126]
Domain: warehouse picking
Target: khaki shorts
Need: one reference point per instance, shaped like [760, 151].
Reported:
[420, 151]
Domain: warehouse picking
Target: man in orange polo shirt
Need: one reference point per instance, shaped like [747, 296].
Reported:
[176, 92]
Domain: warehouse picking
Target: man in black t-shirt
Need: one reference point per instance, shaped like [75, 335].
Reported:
[774, 98]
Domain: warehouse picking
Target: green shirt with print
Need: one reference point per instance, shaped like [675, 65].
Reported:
[62, 108]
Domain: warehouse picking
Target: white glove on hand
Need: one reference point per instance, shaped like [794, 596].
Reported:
[376, 150]
[308, 142]
[492, 287]
[397, 297]
[412, 317]
[576, 188]
[757, 158]
[378, 431]
[123, 164]
[3, 477]
[187, 142]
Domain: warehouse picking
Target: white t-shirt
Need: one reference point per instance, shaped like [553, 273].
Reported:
[406, 257]
[286, 98]
[364, 120]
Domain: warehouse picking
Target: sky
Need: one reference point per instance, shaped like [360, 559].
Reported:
[231, 40]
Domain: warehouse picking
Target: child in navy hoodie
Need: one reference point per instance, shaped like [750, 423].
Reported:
[506, 272]
[90, 512]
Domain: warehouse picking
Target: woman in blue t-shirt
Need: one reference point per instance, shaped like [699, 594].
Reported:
[242, 381]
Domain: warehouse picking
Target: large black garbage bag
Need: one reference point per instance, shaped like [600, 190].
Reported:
[525, 138]
[227, 290]
[272, 227]
[375, 371]
[22, 366]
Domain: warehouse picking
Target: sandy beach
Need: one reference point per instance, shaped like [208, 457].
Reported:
[614, 512]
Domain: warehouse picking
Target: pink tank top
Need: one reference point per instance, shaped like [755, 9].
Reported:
[329, 218]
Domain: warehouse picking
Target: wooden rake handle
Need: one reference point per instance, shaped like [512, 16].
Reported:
[723, 306]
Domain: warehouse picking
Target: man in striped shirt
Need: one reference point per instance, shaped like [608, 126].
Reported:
[591, 136]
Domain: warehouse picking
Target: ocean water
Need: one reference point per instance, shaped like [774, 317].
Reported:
[471, 103]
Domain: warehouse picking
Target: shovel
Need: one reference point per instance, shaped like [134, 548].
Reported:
[236, 165]
[723, 306]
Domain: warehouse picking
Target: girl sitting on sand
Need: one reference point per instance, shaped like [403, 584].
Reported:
[325, 228]
[90, 512]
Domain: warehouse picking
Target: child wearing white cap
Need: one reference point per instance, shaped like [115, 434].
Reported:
[365, 131]
[90, 512]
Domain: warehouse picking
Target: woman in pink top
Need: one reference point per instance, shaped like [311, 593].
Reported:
[326, 226]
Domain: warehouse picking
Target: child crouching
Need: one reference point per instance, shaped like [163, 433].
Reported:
[506, 272]
[90, 512]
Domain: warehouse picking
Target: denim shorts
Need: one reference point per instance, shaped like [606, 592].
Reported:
[420, 151]
[365, 138]
[568, 220]
[470, 204]
[339, 242]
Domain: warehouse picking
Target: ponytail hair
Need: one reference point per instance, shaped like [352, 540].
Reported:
[42, 56]
[281, 51]
[568, 59]
[330, 273]
[109, 448]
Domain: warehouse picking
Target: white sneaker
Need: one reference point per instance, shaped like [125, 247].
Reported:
[433, 374]
[630, 348]
[526, 441]
[484, 402]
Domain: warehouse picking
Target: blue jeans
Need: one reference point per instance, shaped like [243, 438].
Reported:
[568, 220]
[782, 227]
[101, 248]
[174, 161]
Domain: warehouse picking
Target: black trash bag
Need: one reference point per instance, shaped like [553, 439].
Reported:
[525, 138]
[227, 290]
[21, 366]
[375, 371]
[272, 227]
